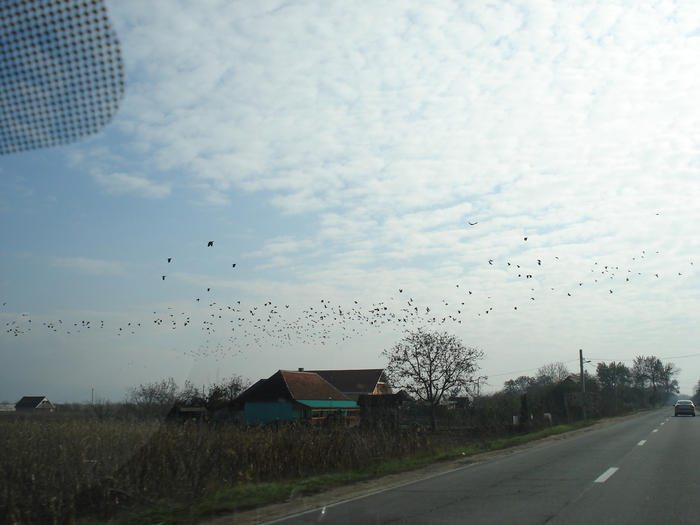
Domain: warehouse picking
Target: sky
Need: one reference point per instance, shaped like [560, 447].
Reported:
[523, 175]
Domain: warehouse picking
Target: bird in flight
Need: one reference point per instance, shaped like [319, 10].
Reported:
[210, 244]
[234, 265]
[164, 277]
[473, 223]
[170, 259]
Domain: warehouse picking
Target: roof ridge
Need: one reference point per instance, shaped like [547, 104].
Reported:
[286, 385]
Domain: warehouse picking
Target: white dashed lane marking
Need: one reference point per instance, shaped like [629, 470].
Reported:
[604, 477]
[641, 442]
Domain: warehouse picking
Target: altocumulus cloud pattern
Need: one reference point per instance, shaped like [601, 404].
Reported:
[61, 73]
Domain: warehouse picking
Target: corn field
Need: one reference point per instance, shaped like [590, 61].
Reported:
[56, 471]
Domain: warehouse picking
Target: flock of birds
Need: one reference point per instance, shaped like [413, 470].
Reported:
[229, 328]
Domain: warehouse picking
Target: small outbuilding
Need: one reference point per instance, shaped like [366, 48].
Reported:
[35, 404]
[297, 395]
[182, 414]
[382, 410]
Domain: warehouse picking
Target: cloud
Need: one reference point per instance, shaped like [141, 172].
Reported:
[370, 121]
[282, 245]
[89, 266]
[380, 108]
[349, 144]
[122, 183]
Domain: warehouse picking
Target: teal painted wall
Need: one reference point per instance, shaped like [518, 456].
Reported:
[273, 411]
[266, 412]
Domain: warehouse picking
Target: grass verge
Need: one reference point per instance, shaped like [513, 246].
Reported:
[247, 496]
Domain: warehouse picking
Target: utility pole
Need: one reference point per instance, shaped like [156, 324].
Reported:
[615, 379]
[583, 384]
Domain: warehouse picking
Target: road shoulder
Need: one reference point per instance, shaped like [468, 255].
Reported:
[307, 502]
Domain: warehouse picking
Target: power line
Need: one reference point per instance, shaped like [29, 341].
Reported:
[528, 370]
[680, 356]
[516, 372]
[629, 360]
[588, 361]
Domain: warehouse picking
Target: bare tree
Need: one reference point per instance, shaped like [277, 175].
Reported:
[103, 408]
[190, 395]
[226, 391]
[431, 365]
[649, 373]
[552, 373]
[518, 386]
[153, 399]
[156, 399]
[668, 384]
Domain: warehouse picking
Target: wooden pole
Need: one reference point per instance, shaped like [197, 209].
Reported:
[583, 385]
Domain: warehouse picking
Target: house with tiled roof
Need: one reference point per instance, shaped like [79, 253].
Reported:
[35, 404]
[356, 383]
[296, 395]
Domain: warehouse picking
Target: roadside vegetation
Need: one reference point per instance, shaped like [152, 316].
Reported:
[122, 463]
[60, 470]
[64, 470]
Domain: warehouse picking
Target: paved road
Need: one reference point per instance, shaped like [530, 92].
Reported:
[639, 471]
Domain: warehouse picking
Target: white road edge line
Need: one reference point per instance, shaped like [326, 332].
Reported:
[641, 442]
[604, 477]
[323, 508]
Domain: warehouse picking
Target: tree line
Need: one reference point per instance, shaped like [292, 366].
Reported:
[648, 383]
[557, 395]
[155, 399]
[437, 371]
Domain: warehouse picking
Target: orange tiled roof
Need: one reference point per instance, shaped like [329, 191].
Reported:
[309, 385]
[291, 386]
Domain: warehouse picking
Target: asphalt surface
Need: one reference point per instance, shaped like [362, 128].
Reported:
[640, 470]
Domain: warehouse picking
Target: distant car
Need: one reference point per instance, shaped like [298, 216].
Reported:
[684, 407]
